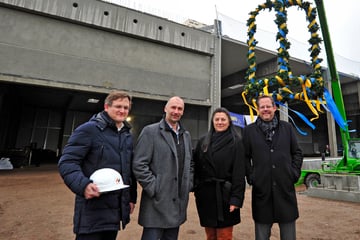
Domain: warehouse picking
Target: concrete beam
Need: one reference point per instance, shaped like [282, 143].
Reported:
[338, 195]
[52, 51]
[339, 187]
[116, 18]
[267, 68]
[234, 83]
[88, 88]
[350, 88]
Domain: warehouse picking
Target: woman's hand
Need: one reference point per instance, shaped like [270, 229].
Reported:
[233, 207]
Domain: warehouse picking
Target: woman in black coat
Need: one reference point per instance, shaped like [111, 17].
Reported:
[219, 177]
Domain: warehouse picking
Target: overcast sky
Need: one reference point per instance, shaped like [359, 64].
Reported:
[342, 18]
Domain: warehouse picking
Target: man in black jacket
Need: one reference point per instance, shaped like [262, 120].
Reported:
[274, 160]
[102, 142]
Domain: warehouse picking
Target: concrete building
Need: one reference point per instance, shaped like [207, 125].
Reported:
[59, 59]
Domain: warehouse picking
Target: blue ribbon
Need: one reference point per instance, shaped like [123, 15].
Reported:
[282, 33]
[282, 67]
[300, 115]
[297, 128]
[334, 110]
[281, 14]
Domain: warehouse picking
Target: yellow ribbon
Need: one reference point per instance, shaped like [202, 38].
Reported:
[285, 89]
[251, 25]
[308, 103]
[263, 5]
[251, 108]
[309, 11]
[318, 108]
[252, 75]
[250, 41]
[280, 81]
[298, 96]
[312, 23]
[265, 88]
[251, 55]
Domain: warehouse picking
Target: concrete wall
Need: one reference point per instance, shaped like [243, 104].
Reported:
[55, 43]
[55, 54]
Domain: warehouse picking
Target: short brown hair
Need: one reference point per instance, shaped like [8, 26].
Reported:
[265, 96]
[115, 95]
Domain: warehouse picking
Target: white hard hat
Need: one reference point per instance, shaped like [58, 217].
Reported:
[108, 179]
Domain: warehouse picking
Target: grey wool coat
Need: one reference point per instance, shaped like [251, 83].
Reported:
[272, 170]
[155, 166]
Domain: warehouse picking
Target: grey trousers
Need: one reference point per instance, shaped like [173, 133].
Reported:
[160, 233]
[287, 231]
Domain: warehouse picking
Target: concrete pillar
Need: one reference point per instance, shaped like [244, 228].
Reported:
[215, 87]
[284, 113]
[330, 120]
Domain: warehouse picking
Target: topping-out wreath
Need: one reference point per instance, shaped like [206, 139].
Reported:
[285, 87]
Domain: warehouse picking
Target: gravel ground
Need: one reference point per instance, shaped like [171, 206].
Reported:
[36, 205]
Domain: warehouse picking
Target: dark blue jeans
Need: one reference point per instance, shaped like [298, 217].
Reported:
[287, 231]
[160, 233]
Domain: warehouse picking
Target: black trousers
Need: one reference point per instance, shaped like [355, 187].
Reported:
[107, 235]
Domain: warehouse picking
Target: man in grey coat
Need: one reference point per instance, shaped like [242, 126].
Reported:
[274, 162]
[164, 168]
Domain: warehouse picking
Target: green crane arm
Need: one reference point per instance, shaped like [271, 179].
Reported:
[335, 81]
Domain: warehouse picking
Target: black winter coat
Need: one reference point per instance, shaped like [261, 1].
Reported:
[272, 170]
[219, 182]
[93, 145]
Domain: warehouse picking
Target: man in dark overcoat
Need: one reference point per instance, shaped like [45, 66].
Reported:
[273, 160]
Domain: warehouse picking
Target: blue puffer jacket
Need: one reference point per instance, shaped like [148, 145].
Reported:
[93, 145]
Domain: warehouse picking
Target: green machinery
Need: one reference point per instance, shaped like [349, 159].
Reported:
[349, 163]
